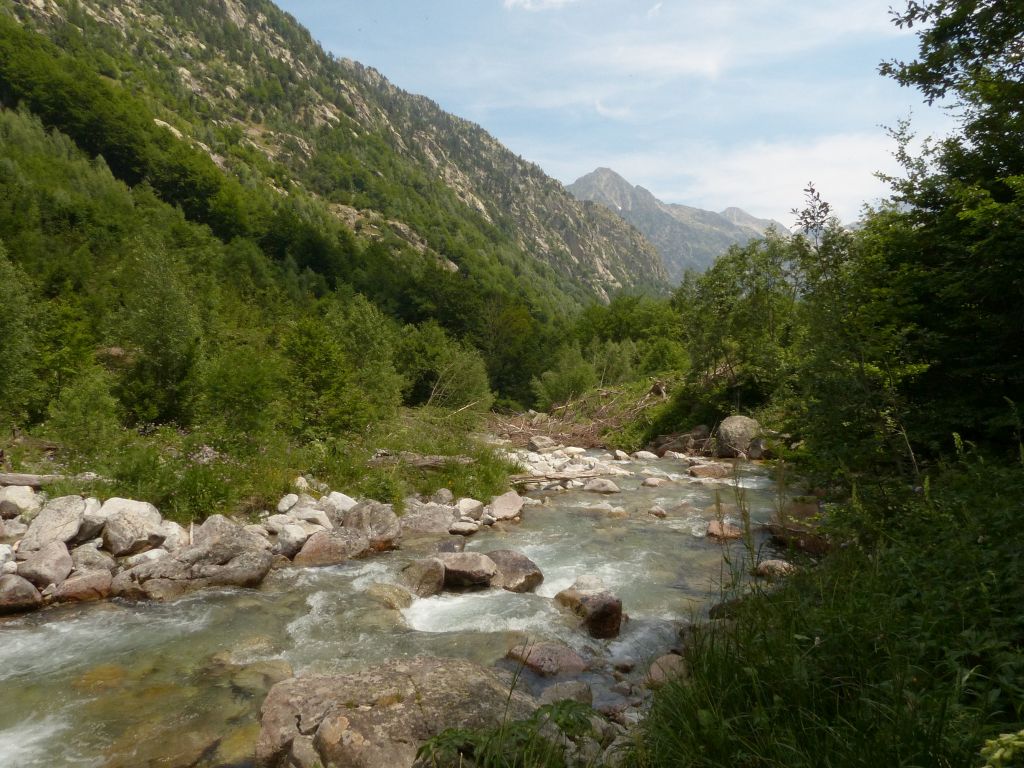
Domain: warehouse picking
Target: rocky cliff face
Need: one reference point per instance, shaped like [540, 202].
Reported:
[244, 81]
[687, 238]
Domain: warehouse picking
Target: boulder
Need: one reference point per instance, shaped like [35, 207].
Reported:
[601, 485]
[89, 557]
[467, 569]
[735, 434]
[18, 594]
[645, 456]
[59, 520]
[287, 501]
[428, 519]
[378, 717]
[653, 482]
[49, 565]
[311, 515]
[548, 659]
[599, 610]
[716, 471]
[6, 554]
[149, 556]
[507, 506]
[289, 539]
[84, 587]
[671, 666]
[657, 511]
[541, 444]
[757, 450]
[424, 578]
[175, 537]
[336, 504]
[224, 555]
[516, 572]
[774, 569]
[718, 529]
[377, 522]
[390, 595]
[332, 548]
[131, 526]
[443, 496]
[92, 521]
[568, 690]
[19, 501]
[470, 508]
[464, 528]
[12, 529]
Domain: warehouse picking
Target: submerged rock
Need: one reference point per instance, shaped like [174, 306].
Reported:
[548, 659]
[378, 717]
[718, 529]
[715, 471]
[601, 485]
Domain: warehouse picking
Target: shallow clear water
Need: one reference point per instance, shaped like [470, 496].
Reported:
[119, 684]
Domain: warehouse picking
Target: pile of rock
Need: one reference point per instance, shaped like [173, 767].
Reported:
[501, 568]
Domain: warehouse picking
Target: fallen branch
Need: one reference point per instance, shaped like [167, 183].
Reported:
[387, 459]
[33, 481]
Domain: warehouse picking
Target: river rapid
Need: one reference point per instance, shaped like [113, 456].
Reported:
[181, 683]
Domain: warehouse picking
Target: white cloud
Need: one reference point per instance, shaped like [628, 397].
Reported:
[654, 11]
[537, 5]
[616, 113]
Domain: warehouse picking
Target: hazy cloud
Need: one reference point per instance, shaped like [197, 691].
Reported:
[537, 5]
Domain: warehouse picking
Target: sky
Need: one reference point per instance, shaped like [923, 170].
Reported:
[710, 103]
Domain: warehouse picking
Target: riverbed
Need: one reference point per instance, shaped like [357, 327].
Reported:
[181, 683]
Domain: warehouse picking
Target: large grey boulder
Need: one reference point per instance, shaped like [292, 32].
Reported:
[735, 434]
[49, 565]
[599, 610]
[516, 572]
[332, 548]
[467, 569]
[424, 578]
[18, 594]
[601, 485]
[507, 506]
[19, 500]
[541, 443]
[59, 520]
[428, 519]
[130, 526]
[378, 522]
[336, 504]
[224, 555]
[89, 557]
[378, 717]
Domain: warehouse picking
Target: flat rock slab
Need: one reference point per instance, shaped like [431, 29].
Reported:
[507, 506]
[548, 659]
[429, 519]
[59, 520]
[379, 717]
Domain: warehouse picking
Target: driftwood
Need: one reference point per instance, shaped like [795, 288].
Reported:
[33, 481]
[386, 458]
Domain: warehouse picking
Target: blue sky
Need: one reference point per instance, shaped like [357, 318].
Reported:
[711, 103]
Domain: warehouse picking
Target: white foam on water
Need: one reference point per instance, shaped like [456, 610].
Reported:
[491, 611]
[37, 649]
[30, 744]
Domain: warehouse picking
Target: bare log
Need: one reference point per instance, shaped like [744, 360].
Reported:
[419, 461]
[33, 481]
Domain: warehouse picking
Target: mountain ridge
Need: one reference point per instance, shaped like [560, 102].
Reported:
[687, 238]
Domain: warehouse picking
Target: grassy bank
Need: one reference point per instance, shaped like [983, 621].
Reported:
[903, 648]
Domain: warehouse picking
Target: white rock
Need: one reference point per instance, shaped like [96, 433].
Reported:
[9, 568]
[18, 500]
[59, 520]
[486, 519]
[300, 483]
[311, 515]
[287, 502]
[131, 526]
[506, 506]
[145, 557]
[175, 537]
[464, 528]
[6, 554]
[645, 456]
[575, 451]
[621, 456]
[653, 482]
[336, 503]
[674, 455]
[470, 508]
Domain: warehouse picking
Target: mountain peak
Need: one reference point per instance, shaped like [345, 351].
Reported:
[687, 237]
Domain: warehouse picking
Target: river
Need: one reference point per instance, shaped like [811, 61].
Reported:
[181, 683]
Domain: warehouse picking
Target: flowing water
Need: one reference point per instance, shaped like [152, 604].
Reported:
[174, 684]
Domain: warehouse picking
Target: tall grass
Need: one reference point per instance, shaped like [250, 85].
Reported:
[904, 648]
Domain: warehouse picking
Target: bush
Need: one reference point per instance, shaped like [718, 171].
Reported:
[570, 377]
[84, 417]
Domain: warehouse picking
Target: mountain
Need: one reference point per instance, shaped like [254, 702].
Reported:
[687, 238]
[244, 83]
